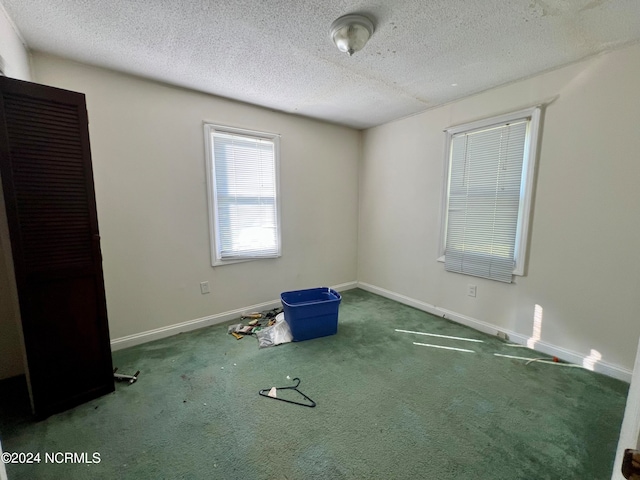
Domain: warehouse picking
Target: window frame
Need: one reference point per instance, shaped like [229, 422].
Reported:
[214, 237]
[532, 115]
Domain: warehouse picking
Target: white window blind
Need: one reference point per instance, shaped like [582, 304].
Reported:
[485, 194]
[245, 194]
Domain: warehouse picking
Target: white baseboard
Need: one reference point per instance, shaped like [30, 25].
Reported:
[343, 287]
[163, 332]
[564, 354]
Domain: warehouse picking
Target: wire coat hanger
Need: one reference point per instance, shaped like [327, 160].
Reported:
[265, 393]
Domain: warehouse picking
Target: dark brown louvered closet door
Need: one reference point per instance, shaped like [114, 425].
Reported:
[45, 164]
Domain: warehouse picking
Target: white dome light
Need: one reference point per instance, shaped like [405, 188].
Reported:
[351, 32]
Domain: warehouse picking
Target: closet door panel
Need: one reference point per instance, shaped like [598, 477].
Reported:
[45, 163]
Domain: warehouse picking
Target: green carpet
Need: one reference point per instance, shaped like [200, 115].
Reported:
[386, 409]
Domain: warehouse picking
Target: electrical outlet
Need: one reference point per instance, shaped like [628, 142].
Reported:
[472, 290]
[204, 287]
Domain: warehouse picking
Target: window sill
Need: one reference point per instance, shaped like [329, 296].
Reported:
[219, 263]
[516, 271]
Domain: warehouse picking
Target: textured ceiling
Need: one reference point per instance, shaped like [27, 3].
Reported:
[277, 53]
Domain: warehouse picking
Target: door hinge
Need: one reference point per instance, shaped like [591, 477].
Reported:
[631, 464]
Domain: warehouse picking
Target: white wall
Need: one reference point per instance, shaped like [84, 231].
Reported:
[583, 260]
[14, 53]
[147, 144]
[148, 158]
[15, 59]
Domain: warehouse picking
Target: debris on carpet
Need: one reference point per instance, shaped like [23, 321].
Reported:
[269, 327]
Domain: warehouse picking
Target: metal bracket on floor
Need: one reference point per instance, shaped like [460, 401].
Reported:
[119, 377]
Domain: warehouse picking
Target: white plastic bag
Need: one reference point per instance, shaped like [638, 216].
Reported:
[276, 334]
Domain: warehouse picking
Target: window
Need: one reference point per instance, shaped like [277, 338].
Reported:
[242, 178]
[489, 180]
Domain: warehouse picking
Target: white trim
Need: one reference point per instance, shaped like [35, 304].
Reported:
[209, 129]
[630, 430]
[526, 187]
[491, 121]
[532, 115]
[208, 156]
[343, 287]
[609, 369]
[242, 131]
[170, 330]
[444, 200]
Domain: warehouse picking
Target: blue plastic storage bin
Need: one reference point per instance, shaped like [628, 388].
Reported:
[311, 313]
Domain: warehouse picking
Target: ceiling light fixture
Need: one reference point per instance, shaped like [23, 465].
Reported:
[351, 32]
